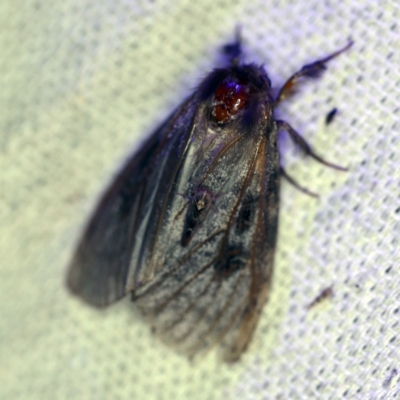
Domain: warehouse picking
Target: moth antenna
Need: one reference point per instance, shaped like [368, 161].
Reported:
[234, 50]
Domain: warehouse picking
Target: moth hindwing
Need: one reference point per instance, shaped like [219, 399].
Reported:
[200, 278]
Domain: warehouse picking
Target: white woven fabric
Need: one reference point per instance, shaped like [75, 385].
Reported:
[83, 83]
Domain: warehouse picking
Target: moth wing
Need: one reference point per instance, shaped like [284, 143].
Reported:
[99, 269]
[262, 222]
[213, 290]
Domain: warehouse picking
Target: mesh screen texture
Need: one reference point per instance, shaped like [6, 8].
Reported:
[83, 83]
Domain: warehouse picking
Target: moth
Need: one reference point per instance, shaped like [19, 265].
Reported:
[199, 278]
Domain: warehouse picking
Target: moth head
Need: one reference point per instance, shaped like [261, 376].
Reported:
[234, 92]
[230, 98]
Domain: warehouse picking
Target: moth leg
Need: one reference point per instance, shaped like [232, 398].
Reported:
[295, 184]
[313, 70]
[304, 146]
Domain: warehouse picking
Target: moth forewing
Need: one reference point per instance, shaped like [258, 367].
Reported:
[159, 197]
[261, 214]
[99, 268]
[211, 290]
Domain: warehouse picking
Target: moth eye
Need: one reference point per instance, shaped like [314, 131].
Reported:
[230, 97]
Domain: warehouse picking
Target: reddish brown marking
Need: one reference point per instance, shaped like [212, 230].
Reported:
[230, 98]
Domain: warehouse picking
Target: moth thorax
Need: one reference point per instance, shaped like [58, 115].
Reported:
[230, 97]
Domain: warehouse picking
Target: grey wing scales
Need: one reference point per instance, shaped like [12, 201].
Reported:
[213, 290]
